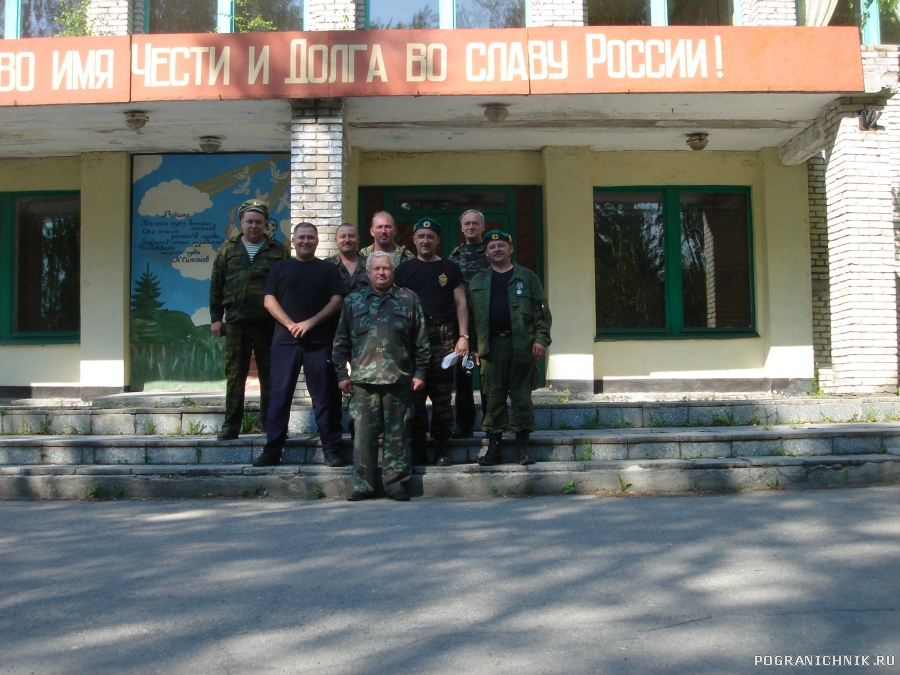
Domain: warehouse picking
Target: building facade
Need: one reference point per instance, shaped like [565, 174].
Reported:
[708, 189]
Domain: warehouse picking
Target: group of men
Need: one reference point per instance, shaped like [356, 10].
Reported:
[387, 328]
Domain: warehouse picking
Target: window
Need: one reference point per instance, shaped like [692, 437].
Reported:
[619, 12]
[700, 12]
[490, 13]
[890, 26]
[224, 16]
[40, 262]
[384, 14]
[673, 261]
[182, 16]
[37, 18]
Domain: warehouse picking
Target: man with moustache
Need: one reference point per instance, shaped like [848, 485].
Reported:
[350, 262]
[382, 335]
[304, 295]
[442, 292]
[239, 274]
[383, 232]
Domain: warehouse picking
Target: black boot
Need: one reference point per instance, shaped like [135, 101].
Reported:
[524, 456]
[440, 452]
[488, 456]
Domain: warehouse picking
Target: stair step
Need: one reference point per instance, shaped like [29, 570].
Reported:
[598, 478]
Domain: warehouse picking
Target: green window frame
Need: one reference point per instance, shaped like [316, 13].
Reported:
[8, 284]
[673, 282]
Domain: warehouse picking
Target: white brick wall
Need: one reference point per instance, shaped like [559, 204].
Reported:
[110, 17]
[334, 14]
[559, 12]
[317, 168]
[769, 12]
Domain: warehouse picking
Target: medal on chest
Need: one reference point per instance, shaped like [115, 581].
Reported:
[442, 280]
[519, 288]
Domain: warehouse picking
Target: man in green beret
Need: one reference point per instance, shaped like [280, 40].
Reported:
[441, 289]
[512, 325]
[236, 286]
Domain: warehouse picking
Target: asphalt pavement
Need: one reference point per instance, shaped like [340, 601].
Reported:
[651, 585]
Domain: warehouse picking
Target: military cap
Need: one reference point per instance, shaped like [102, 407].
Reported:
[429, 224]
[254, 205]
[495, 235]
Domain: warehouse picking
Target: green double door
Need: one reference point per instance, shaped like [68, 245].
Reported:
[513, 209]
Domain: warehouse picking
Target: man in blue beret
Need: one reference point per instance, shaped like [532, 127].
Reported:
[440, 285]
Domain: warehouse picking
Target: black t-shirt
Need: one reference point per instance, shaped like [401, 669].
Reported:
[433, 282]
[500, 318]
[303, 289]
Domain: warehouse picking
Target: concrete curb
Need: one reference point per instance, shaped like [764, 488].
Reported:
[608, 478]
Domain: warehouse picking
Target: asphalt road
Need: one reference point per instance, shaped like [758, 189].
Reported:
[526, 586]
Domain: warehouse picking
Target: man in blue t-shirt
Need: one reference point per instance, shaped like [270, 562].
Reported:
[304, 295]
[441, 288]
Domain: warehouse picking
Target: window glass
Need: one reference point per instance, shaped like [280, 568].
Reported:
[183, 16]
[629, 247]
[37, 18]
[846, 13]
[403, 14]
[448, 201]
[890, 26]
[700, 12]
[490, 13]
[619, 12]
[47, 260]
[279, 14]
[715, 260]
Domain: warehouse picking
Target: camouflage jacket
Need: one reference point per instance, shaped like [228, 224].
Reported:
[401, 253]
[383, 337]
[359, 278]
[471, 259]
[236, 285]
[528, 311]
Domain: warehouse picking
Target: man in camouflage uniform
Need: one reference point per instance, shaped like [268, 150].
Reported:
[441, 289]
[512, 324]
[383, 232]
[350, 262]
[236, 286]
[381, 333]
[471, 260]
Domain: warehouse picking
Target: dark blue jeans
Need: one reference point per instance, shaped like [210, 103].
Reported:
[321, 380]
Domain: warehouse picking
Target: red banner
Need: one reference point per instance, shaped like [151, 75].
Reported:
[430, 62]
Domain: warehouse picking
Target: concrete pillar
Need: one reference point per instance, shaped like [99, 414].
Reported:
[317, 168]
[105, 260]
[334, 15]
[559, 13]
[860, 208]
[112, 17]
[769, 12]
[569, 246]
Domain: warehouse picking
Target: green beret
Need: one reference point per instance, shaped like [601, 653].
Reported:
[495, 235]
[429, 224]
[254, 205]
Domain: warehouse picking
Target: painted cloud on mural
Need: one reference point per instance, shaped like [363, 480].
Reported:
[174, 199]
[195, 262]
[201, 317]
[144, 165]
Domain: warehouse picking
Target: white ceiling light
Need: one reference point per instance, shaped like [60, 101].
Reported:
[210, 143]
[697, 141]
[496, 112]
[136, 119]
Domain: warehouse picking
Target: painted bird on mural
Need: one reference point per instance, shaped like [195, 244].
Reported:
[276, 174]
[244, 188]
[283, 202]
[243, 174]
[264, 196]
[231, 228]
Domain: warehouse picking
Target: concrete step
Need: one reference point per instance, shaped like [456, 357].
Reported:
[566, 446]
[188, 416]
[600, 478]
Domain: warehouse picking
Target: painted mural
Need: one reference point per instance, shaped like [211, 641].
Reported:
[183, 208]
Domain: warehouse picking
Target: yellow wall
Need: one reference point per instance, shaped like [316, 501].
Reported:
[54, 364]
[101, 359]
[781, 274]
[105, 265]
[451, 168]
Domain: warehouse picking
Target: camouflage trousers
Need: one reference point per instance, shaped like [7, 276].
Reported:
[502, 377]
[374, 407]
[442, 336]
[242, 338]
